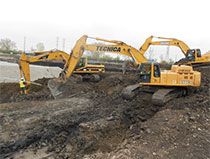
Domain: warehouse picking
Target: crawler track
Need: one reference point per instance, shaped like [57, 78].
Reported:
[162, 96]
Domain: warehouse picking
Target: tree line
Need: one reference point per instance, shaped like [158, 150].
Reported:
[9, 46]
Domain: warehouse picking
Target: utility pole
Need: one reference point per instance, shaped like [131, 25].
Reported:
[167, 54]
[150, 53]
[57, 41]
[24, 44]
[64, 40]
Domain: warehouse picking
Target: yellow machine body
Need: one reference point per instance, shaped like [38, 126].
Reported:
[88, 68]
[180, 76]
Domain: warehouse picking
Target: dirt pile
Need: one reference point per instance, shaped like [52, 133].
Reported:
[205, 80]
[10, 92]
[169, 134]
[106, 119]
[94, 121]
[38, 122]
[180, 129]
[7, 90]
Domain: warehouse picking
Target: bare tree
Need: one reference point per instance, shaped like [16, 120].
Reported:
[7, 44]
[40, 46]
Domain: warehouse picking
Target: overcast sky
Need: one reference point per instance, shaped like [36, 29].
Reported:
[131, 21]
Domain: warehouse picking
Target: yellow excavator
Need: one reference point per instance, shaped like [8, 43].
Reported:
[87, 71]
[192, 56]
[164, 85]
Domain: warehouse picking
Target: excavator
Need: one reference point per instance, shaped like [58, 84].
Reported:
[192, 56]
[87, 71]
[164, 85]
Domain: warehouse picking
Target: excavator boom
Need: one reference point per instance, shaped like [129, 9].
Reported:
[118, 48]
[177, 43]
[169, 42]
[193, 56]
[45, 56]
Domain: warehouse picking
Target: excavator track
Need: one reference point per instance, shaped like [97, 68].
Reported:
[163, 95]
[160, 95]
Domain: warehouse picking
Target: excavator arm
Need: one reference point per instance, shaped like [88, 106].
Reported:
[45, 56]
[192, 56]
[167, 42]
[172, 42]
[116, 47]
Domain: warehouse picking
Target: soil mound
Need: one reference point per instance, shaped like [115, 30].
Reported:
[94, 121]
[10, 92]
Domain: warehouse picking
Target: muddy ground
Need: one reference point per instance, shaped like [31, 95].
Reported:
[93, 121]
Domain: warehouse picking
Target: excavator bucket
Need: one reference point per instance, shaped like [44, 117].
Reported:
[55, 88]
[130, 91]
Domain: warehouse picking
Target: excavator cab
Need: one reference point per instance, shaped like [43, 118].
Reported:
[148, 71]
[193, 54]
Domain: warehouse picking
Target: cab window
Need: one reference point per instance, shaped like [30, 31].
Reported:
[145, 73]
[146, 69]
[191, 55]
[198, 53]
[156, 71]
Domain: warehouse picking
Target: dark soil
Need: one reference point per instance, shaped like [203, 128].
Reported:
[94, 121]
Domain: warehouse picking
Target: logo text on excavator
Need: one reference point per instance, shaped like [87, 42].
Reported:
[105, 48]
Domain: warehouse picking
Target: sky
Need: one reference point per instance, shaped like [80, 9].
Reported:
[130, 21]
